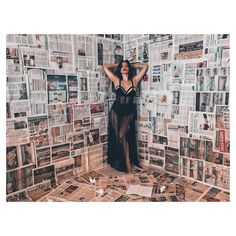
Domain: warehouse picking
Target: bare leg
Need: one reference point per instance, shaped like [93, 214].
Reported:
[125, 125]
[126, 153]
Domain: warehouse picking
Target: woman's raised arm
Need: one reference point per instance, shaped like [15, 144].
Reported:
[109, 73]
[139, 76]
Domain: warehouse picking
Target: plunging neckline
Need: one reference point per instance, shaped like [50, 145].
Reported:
[126, 91]
[119, 86]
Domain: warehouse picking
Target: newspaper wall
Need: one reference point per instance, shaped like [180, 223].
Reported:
[58, 99]
[56, 107]
[184, 104]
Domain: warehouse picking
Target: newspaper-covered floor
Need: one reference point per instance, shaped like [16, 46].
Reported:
[109, 185]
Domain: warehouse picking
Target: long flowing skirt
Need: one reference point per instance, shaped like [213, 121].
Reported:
[122, 142]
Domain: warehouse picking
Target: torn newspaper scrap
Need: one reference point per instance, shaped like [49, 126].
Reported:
[145, 191]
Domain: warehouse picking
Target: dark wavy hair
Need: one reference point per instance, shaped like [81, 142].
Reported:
[131, 70]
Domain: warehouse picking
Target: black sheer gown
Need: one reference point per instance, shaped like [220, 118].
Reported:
[122, 144]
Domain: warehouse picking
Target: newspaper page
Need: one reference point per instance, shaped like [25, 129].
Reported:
[161, 52]
[16, 89]
[58, 133]
[177, 70]
[143, 52]
[83, 50]
[20, 108]
[143, 152]
[57, 88]
[43, 156]
[156, 155]
[13, 61]
[60, 52]
[37, 90]
[205, 102]
[145, 191]
[172, 161]
[222, 117]
[202, 123]
[131, 51]
[45, 173]
[33, 40]
[33, 57]
[72, 84]
[64, 170]
[38, 130]
[57, 114]
[222, 141]
[188, 46]
[79, 151]
[23, 175]
[108, 51]
[95, 151]
[190, 73]
[148, 107]
[17, 131]
[174, 132]
[217, 50]
[160, 76]
[155, 76]
[217, 175]
[60, 152]
[97, 109]
[156, 38]
[27, 154]
[82, 116]
[99, 122]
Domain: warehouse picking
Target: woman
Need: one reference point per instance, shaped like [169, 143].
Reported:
[122, 146]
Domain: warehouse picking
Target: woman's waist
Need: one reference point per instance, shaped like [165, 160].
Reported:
[120, 104]
[124, 108]
[124, 100]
